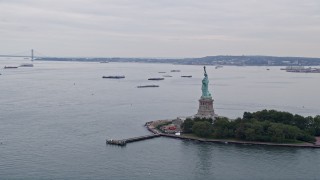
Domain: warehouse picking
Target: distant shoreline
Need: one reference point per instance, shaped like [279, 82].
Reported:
[154, 130]
[208, 60]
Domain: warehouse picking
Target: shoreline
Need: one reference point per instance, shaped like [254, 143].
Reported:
[154, 130]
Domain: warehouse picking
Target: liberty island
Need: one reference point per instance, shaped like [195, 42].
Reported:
[205, 123]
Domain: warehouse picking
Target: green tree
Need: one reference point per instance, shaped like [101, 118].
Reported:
[247, 115]
[291, 132]
[187, 125]
[221, 127]
[197, 119]
[240, 131]
[316, 125]
[303, 136]
[276, 132]
[202, 128]
[300, 122]
[250, 134]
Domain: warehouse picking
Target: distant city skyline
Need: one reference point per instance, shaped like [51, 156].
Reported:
[161, 28]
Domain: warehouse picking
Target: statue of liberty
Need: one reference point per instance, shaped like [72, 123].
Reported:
[205, 84]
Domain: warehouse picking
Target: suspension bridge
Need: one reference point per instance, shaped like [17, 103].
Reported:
[27, 54]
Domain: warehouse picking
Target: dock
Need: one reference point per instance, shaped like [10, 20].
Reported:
[123, 142]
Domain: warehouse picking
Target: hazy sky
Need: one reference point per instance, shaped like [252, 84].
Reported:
[161, 28]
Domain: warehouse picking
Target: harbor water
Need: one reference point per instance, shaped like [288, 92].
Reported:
[55, 118]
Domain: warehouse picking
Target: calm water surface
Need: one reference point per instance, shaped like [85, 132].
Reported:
[56, 116]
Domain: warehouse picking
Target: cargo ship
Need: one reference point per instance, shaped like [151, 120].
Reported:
[113, 77]
[146, 86]
[156, 79]
[10, 67]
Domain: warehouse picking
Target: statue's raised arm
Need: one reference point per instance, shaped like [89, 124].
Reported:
[204, 68]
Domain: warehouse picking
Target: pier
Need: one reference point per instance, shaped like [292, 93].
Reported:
[123, 142]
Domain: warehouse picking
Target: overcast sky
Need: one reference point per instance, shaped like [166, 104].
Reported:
[161, 28]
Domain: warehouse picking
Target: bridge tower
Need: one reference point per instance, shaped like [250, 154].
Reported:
[31, 54]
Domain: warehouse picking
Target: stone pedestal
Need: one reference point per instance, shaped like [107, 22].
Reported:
[206, 108]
